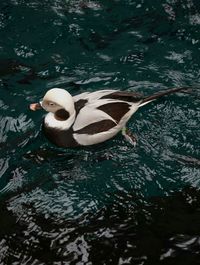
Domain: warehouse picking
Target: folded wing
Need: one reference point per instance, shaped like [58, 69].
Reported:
[102, 110]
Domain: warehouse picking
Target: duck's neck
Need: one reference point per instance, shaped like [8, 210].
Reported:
[51, 121]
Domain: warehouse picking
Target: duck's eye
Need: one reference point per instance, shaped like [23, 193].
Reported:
[51, 104]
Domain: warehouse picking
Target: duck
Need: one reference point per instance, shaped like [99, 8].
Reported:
[90, 118]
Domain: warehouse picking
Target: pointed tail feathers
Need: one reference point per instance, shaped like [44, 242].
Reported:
[161, 94]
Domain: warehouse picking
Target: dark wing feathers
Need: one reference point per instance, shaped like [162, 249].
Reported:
[97, 127]
[115, 110]
[79, 105]
[124, 96]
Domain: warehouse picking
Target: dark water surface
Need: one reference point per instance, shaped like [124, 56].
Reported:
[109, 204]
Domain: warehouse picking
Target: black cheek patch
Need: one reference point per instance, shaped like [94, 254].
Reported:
[61, 115]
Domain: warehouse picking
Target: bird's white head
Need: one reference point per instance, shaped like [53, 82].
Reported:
[58, 100]
[60, 105]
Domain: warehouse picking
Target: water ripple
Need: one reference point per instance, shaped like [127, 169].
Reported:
[105, 204]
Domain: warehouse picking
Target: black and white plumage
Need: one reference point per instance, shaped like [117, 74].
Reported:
[89, 118]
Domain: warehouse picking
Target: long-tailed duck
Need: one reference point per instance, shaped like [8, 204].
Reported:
[89, 118]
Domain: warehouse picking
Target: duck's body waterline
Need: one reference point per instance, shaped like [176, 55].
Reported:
[89, 118]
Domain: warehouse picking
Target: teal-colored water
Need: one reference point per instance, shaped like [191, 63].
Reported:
[113, 203]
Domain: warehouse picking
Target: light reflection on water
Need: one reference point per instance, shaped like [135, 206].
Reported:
[100, 205]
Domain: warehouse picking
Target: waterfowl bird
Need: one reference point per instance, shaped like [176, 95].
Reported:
[89, 118]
